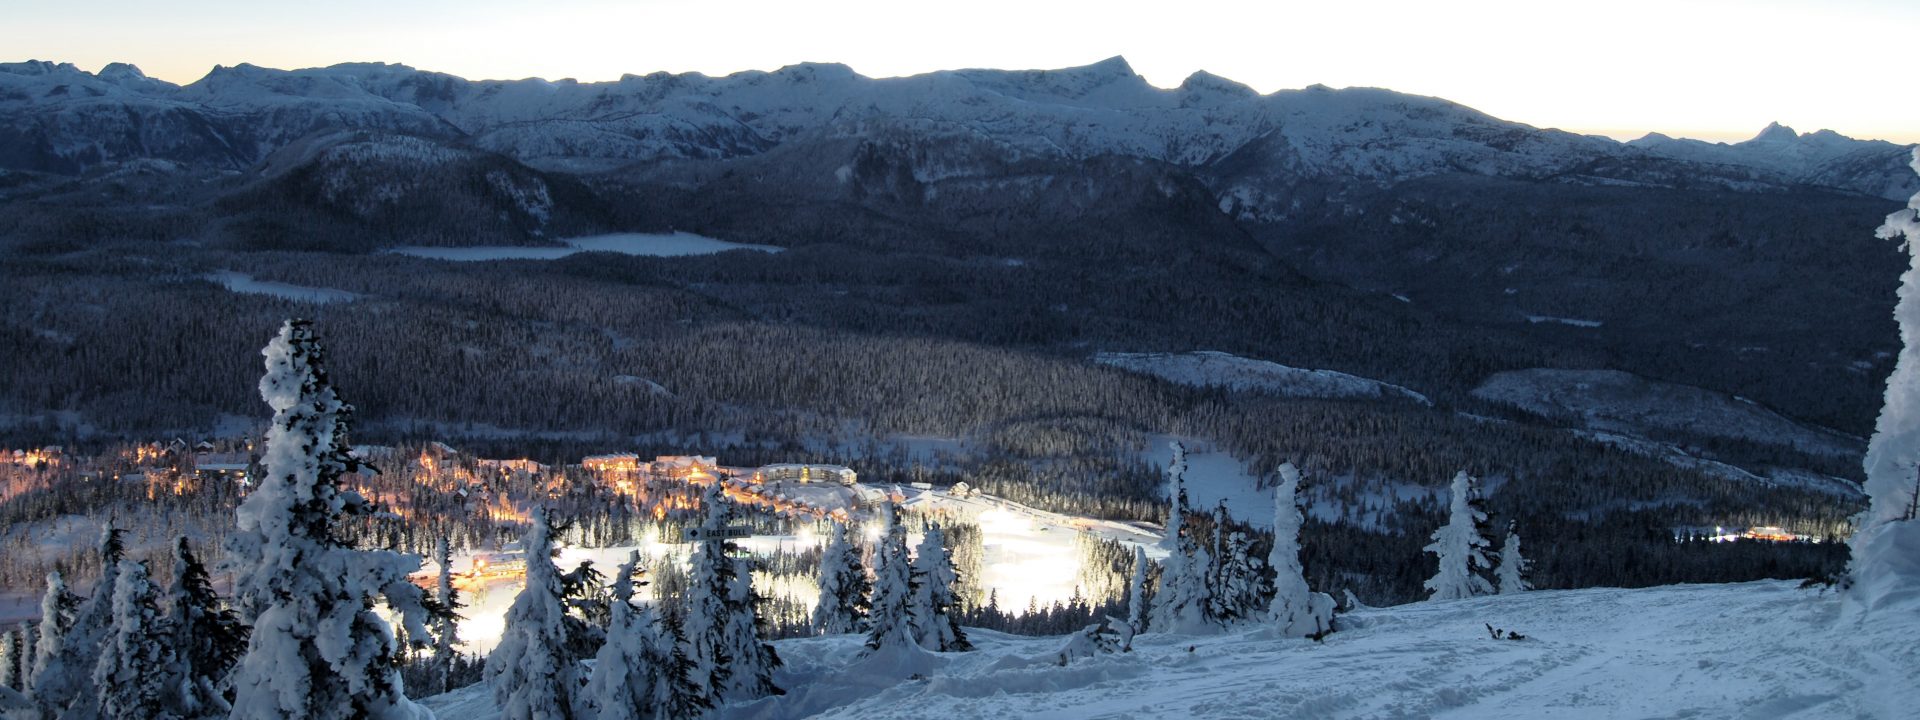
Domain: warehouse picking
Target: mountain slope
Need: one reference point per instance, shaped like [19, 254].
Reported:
[239, 114]
[1751, 650]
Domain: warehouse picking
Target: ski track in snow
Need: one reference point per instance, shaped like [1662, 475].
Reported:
[1751, 650]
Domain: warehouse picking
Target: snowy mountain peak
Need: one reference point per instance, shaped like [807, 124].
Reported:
[1116, 65]
[120, 71]
[1775, 133]
[817, 72]
[1202, 82]
[38, 67]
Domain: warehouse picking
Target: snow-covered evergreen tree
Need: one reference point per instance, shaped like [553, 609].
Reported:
[11, 662]
[890, 626]
[533, 674]
[676, 694]
[28, 633]
[446, 617]
[844, 587]
[1885, 567]
[638, 672]
[933, 606]
[63, 686]
[722, 625]
[1461, 546]
[1180, 605]
[318, 649]
[1296, 609]
[754, 660]
[57, 609]
[1237, 583]
[1176, 497]
[625, 671]
[135, 676]
[207, 637]
[1512, 572]
[1137, 592]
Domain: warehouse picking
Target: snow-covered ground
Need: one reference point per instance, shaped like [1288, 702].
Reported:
[1213, 476]
[1751, 651]
[1618, 402]
[244, 283]
[1029, 554]
[662, 245]
[1208, 368]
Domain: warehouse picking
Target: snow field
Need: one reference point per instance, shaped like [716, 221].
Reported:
[1751, 651]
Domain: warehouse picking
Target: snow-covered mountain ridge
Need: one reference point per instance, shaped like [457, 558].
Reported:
[56, 117]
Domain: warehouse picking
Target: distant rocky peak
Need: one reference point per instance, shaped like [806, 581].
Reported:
[1202, 82]
[122, 71]
[37, 67]
[1776, 133]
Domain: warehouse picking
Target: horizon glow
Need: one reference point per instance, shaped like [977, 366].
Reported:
[1709, 69]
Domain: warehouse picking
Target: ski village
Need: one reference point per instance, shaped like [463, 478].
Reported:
[681, 587]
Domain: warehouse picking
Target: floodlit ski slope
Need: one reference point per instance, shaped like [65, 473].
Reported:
[1753, 651]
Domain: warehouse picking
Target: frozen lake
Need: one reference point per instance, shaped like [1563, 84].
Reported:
[244, 283]
[656, 244]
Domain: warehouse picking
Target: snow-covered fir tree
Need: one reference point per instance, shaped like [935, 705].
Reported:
[933, 609]
[57, 609]
[722, 625]
[533, 673]
[318, 649]
[1137, 592]
[446, 617]
[1461, 546]
[1180, 605]
[637, 675]
[844, 587]
[1885, 566]
[63, 685]
[676, 694]
[11, 649]
[1512, 571]
[207, 637]
[1296, 609]
[136, 677]
[1238, 585]
[890, 626]
[621, 685]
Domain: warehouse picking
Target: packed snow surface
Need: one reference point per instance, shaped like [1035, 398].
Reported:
[1751, 650]
[1209, 368]
[659, 245]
